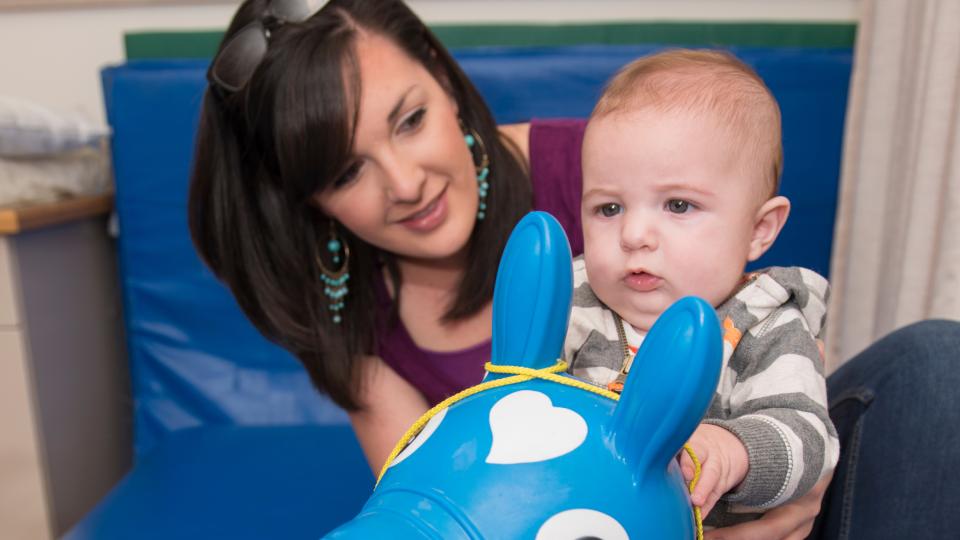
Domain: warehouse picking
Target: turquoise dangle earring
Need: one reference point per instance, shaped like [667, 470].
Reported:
[335, 281]
[476, 146]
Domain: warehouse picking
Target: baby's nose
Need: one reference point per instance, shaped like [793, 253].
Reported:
[639, 231]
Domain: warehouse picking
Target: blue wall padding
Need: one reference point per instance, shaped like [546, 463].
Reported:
[195, 360]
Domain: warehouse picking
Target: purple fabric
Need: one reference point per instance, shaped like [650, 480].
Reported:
[555, 175]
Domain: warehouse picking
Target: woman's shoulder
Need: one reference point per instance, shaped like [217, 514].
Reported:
[518, 136]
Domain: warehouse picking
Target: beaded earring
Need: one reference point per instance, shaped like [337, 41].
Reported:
[335, 281]
[475, 144]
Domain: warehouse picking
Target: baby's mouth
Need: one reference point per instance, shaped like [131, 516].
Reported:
[643, 281]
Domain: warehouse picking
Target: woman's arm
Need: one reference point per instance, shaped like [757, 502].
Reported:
[792, 521]
[390, 405]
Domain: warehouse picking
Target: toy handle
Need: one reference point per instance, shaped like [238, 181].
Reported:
[531, 298]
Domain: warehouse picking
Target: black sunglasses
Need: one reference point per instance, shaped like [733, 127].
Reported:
[239, 58]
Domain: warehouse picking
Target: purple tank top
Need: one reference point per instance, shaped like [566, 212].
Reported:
[556, 178]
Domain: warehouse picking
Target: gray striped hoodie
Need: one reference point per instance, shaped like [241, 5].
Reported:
[772, 392]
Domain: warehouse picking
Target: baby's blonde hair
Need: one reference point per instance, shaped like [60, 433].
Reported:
[704, 81]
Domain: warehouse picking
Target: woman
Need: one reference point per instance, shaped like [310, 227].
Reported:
[348, 132]
[352, 190]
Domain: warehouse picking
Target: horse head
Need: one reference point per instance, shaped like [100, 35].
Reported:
[539, 455]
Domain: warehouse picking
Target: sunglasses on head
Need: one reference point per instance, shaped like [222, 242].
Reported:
[232, 68]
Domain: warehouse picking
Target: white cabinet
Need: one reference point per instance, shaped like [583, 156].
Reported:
[65, 410]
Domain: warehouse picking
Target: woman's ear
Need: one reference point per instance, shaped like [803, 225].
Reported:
[767, 224]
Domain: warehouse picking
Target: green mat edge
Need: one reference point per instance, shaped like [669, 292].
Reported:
[203, 43]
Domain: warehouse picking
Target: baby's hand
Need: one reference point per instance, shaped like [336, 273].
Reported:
[723, 464]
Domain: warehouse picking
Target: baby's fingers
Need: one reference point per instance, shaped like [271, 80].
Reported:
[712, 497]
[686, 463]
[686, 466]
[709, 476]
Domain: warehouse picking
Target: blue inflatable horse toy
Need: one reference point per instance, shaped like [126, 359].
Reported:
[534, 454]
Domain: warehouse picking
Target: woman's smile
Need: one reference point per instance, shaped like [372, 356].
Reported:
[429, 217]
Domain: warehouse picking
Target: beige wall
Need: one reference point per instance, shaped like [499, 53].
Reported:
[53, 56]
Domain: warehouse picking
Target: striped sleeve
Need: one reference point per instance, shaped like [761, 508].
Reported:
[778, 409]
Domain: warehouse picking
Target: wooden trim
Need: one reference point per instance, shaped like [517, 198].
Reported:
[23, 218]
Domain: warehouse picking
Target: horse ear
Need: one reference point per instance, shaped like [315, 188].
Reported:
[531, 299]
[671, 382]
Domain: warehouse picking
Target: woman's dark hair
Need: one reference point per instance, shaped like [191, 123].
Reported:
[262, 153]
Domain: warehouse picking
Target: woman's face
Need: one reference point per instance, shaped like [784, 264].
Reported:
[411, 188]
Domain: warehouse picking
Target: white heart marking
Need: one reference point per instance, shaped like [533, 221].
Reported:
[527, 428]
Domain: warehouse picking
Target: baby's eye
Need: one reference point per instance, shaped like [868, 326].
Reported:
[609, 209]
[413, 121]
[678, 206]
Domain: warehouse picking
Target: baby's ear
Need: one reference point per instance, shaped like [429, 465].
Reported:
[767, 224]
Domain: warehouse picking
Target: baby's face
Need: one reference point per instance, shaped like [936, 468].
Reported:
[668, 211]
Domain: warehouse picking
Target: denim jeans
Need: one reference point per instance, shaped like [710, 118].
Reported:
[896, 407]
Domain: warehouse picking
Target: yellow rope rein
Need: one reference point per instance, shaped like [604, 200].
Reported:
[522, 374]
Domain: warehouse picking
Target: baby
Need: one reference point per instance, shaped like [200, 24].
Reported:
[681, 165]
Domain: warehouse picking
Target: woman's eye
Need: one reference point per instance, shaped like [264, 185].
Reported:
[414, 120]
[678, 206]
[348, 175]
[609, 209]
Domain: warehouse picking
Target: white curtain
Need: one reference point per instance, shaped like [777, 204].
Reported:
[896, 255]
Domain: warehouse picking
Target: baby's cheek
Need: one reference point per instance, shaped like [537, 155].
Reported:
[604, 281]
[710, 273]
